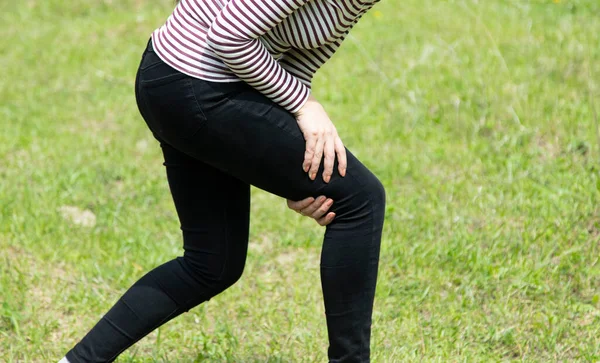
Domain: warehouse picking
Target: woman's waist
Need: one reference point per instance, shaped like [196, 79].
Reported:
[198, 62]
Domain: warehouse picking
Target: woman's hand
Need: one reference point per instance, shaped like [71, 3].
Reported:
[314, 208]
[322, 140]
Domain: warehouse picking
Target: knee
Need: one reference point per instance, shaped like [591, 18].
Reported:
[376, 197]
[361, 198]
[377, 191]
[216, 272]
[216, 275]
[231, 274]
[372, 193]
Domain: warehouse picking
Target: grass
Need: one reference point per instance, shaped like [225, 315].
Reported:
[480, 118]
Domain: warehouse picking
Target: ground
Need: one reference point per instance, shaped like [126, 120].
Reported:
[480, 118]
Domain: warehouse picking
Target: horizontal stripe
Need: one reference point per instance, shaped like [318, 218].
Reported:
[276, 46]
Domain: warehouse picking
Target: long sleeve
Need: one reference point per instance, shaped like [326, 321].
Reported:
[304, 63]
[233, 36]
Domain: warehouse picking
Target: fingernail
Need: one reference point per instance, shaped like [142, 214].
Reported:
[313, 176]
[327, 179]
[321, 198]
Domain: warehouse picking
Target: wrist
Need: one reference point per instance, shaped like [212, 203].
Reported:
[310, 102]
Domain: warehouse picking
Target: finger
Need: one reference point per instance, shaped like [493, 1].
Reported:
[322, 210]
[309, 153]
[316, 160]
[340, 150]
[312, 207]
[329, 153]
[327, 219]
[301, 204]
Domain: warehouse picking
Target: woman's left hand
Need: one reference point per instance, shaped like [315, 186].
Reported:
[314, 208]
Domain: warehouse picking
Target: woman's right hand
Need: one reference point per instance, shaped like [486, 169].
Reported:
[322, 141]
[314, 208]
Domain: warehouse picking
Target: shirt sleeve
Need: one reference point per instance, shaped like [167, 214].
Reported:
[304, 63]
[233, 36]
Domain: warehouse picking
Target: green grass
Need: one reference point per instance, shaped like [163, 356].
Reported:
[480, 118]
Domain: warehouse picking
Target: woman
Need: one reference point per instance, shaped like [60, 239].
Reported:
[224, 86]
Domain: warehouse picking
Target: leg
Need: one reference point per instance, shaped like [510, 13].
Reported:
[238, 131]
[213, 209]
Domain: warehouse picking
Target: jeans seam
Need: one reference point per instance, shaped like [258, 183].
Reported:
[372, 220]
[191, 85]
[226, 243]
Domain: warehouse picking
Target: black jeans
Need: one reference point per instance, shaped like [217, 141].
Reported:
[217, 140]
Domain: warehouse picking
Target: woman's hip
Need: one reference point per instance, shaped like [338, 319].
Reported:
[235, 128]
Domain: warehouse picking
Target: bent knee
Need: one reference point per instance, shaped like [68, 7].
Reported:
[360, 195]
[231, 275]
[218, 275]
[216, 272]
[376, 190]
[376, 197]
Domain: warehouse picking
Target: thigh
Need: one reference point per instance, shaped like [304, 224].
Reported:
[240, 132]
[249, 136]
[213, 207]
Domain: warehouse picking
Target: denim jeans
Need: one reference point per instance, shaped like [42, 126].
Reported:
[217, 140]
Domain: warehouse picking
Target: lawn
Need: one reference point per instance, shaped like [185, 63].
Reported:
[481, 118]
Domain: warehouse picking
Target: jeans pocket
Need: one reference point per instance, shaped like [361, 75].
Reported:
[149, 60]
[169, 107]
[154, 72]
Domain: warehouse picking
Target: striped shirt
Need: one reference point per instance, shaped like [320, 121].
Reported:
[276, 46]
